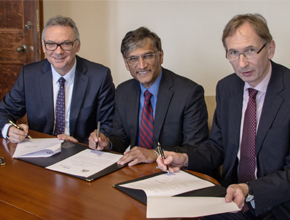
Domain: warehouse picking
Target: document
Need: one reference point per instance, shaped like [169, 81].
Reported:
[183, 207]
[38, 147]
[85, 163]
[161, 202]
[169, 184]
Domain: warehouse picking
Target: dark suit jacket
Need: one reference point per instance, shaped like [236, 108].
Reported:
[180, 117]
[272, 188]
[92, 99]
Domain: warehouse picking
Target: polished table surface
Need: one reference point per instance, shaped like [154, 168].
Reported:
[31, 192]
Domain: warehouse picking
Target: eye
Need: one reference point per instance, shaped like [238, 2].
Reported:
[148, 56]
[251, 50]
[134, 58]
[67, 44]
[233, 53]
[51, 44]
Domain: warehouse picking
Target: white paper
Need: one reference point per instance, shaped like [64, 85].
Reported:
[38, 147]
[169, 184]
[85, 163]
[182, 207]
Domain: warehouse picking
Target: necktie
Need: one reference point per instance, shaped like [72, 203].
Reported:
[60, 108]
[248, 145]
[146, 126]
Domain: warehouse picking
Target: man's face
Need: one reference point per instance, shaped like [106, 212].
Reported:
[146, 72]
[61, 60]
[254, 70]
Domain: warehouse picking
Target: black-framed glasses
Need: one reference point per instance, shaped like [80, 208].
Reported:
[251, 53]
[51, 46]
[148, 57]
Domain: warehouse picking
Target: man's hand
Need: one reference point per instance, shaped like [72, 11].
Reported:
[66, 138]
[174, 160]
[15, 135]
[138, 155]
[103, 141]
[237, 193]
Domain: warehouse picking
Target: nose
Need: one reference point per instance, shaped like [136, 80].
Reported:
[243, 61]
[142, 63]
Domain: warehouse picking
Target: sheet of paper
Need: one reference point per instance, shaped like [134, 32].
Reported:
[182, 207]
[38, 147]
[169, 184]
[85, 163]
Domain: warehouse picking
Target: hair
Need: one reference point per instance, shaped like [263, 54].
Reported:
[257, 21]
[60, 20]
[137, 38]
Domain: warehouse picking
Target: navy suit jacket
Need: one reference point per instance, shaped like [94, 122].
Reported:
[180, 116]
[272, 187]
[92, 99]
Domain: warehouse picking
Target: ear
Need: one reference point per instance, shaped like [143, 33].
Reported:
[161, 56]
[271, 49]
[43, 47]
[78, 46]
[126, 64]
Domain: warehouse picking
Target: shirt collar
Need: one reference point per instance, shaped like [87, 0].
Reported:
[69, 77]
[154, 87]
[262, 86]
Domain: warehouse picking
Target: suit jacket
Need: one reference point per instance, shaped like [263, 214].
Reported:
[272, 187]
[92, 99]
[180, 116]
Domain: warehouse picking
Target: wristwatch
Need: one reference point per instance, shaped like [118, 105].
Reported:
[250, 195]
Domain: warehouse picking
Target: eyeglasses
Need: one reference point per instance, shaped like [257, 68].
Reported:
[51, 46]
[251, 53]
[148, 57]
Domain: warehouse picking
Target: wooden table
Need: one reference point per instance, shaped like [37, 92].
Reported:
[31, 192]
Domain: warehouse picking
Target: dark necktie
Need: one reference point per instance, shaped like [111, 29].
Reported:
[60, 108]
[248, 145]
[146, 127]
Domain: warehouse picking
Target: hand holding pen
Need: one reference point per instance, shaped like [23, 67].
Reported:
[160, 152]
[16, 126]
[98, 133]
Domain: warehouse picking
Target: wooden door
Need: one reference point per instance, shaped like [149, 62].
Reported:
[21, 22]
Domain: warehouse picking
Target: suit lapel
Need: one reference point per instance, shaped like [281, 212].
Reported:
[133, 101]
[162, 105]
[79, 90]
[271, 106]
[47, 93]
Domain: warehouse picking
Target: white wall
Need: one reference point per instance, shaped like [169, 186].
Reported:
[190, 32]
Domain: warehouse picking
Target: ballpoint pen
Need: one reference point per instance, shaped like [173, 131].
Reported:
[16, 126]
[160, 150]
[98, 132]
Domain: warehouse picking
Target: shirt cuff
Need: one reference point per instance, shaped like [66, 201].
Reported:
[5, 130]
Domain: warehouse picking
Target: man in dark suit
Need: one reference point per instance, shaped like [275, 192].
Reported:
[177, 103]
[264, 189]
[88, 90]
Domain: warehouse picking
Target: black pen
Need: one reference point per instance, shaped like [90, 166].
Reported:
[160, 150]
[16, 126]
[98, 132]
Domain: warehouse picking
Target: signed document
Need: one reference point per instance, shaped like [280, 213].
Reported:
[38, 147]
[85, 163]
[162, 202]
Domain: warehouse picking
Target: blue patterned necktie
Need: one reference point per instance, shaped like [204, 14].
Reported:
[146, 126]
[60, 108]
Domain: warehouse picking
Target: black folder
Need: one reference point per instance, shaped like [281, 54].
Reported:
[69, 149]
[140, 195]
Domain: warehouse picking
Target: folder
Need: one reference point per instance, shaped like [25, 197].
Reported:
[140, 195]
[69, 149]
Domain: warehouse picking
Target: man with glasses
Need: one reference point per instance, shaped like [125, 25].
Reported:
[250, 132]
[63, 95]
[156, 107]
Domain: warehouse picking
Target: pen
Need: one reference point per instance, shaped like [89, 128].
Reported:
[16, 126]
[160, 150]
[98, 132]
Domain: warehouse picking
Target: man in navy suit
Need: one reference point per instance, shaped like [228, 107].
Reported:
[89, 89]
[178, 106]
[249, 48]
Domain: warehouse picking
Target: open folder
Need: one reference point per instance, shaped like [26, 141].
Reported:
[75, 154]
